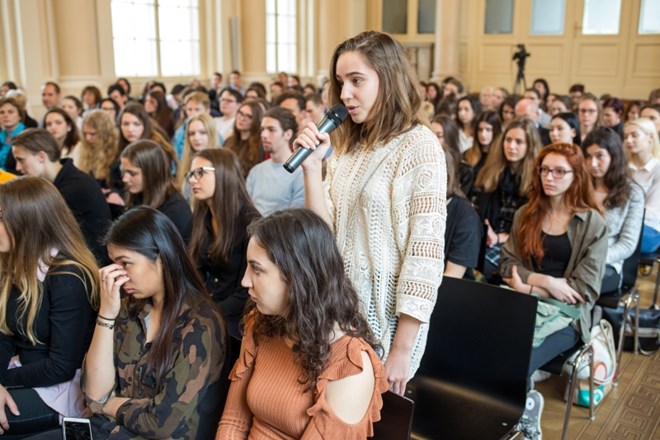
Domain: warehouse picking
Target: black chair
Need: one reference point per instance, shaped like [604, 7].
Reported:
[472, 381]
[396, 418]
[213, 403]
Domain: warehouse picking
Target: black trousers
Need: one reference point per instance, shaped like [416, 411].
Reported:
[35, 416]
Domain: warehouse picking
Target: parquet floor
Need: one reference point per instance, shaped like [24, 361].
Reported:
[630, 411]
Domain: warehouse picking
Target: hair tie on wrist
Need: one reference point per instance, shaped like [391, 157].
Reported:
[107, 319]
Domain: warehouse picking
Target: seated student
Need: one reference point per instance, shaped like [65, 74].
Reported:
[621, 198]
[20, 97]
[47, 295]
[307, 367]
[466, 113]
[201, 133]
[159, 346]
[488, 128]
[652, 112]
[613, 115]
[64, 129]
[565, 129]
[557, 250]
[74, 108]
[446, 131]
[155, 104]
[148, 181]
[590, 113]
[503, 183]
[229, 100]
[99, 150]
[245, 141]
[223, 211]
[269, 185]
[10, 126]
[643, 148]
[38, 154]
[464, 229]
[507, 110]
[194, 103]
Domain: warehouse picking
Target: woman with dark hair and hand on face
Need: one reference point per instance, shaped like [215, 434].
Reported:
[160, 341]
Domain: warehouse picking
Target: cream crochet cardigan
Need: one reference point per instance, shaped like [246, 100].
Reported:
[388, 210]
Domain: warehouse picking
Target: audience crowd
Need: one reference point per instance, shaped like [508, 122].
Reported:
[548, 193]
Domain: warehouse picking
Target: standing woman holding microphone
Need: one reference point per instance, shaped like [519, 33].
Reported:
[383, 195]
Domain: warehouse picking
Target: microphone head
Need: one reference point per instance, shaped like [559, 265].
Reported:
[337, 113]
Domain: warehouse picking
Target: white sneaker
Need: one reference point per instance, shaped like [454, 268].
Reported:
[540, 376]
[530, 422]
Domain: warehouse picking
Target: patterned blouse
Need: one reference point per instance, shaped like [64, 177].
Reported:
[388, 210]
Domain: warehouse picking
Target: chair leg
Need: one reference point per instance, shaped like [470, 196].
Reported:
[657, 284]
[572, 381]
[622, 335]
[635, 295]
[591, 382]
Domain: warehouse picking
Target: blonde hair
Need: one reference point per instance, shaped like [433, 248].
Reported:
[38, 220]
[488, 178]
[648, 127]
[97, 159]
[188, 152]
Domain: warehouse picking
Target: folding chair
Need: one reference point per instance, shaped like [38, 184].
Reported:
[396, 418]
[472, 382]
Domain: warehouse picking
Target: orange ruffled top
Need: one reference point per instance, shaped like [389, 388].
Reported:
[265, 400]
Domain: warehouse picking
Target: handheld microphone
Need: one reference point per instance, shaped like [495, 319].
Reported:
[332, 119]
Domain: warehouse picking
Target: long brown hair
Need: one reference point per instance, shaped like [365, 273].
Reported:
[489, 177]
[475, 153]
[303, 248]
[37, 219]
[249, 151]
[398, 106]
[617, 178]
[152, 130]
[578, 197]
[229, 202]
[157, 179]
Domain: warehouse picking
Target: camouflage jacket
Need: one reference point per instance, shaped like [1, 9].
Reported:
[170, 410]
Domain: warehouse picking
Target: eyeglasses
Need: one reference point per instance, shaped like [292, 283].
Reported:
[244, 115]
[199, 172]
[227, 100]
[557, 173]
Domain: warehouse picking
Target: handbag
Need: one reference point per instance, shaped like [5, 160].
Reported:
[649, 328]
[602, 341]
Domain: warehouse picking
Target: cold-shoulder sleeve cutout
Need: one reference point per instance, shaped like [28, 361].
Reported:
[346, 361]
[247, 354]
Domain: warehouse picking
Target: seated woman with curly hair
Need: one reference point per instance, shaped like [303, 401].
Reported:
[307, 367]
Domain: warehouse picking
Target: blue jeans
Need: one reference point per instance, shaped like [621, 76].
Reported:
[553, 345]
[650, 240]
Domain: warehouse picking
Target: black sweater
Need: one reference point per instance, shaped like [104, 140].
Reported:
[63, 326]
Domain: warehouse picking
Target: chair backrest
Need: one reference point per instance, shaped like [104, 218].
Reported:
[631, 264]
[480, 339]
[396, 418]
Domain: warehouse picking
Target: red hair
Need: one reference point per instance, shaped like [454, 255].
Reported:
[578, 197]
